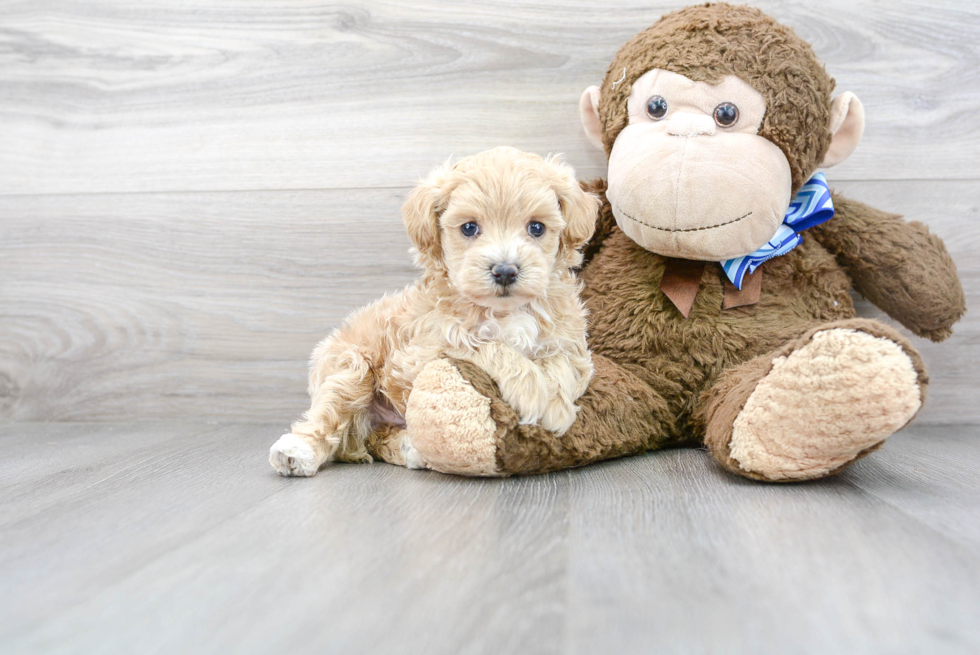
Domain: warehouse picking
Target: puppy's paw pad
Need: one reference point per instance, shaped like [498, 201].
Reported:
[292, 456]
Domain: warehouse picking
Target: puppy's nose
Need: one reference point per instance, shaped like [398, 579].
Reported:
[504, 274]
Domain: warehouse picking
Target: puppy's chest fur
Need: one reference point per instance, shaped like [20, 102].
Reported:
[519, 330]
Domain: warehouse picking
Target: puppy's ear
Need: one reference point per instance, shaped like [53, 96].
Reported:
[579, 208]
[421, 215]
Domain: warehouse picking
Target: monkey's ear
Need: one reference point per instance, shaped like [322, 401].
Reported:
[846, 126]
[588, 107]
[421, 215]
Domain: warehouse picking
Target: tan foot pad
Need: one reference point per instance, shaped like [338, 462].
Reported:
[823, 404]
[449, 422]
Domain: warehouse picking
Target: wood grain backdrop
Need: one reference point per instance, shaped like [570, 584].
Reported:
[193, 193]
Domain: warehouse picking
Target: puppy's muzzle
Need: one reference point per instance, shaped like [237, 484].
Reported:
[504, 274]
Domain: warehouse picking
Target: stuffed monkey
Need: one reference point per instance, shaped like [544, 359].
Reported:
[718, 279]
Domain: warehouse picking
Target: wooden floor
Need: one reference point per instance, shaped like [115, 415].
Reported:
[193, 193]
[179, 538]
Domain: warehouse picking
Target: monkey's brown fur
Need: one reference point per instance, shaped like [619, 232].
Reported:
[661, 379]
[739, 41]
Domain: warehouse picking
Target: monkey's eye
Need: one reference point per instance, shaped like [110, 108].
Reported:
[726, 114]
[535, 229]
[469, 229]
[656, 107]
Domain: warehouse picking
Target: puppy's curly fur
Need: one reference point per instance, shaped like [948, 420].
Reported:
[528, 335]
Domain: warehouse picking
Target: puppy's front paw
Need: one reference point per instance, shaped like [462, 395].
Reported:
[292, 456]
[559, 416]
[527, 393]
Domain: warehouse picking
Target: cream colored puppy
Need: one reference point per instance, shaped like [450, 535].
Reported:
[497, 236]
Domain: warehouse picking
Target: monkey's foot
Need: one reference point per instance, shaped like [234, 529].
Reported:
[819, 406]
[449, 423]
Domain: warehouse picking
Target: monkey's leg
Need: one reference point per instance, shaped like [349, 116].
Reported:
[459, 424]
[816, 404]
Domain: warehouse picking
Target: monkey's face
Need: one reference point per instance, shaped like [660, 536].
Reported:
[711, 117]
[689, 176]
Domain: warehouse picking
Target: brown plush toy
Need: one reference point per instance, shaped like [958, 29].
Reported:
[717, 315]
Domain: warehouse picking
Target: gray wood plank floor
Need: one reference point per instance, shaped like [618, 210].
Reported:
[192, 194]
[179, 538]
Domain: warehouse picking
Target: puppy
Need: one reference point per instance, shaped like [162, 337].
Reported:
[497, 236]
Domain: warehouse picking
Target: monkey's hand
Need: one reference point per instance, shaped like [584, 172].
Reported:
[901, 267]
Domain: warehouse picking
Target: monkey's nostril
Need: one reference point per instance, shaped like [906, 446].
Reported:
[689, 124]
[504, 274]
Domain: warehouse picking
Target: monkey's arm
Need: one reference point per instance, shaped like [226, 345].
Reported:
[605, 224]
[899, 266]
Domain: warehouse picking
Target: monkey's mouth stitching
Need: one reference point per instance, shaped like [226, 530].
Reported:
[689, 229]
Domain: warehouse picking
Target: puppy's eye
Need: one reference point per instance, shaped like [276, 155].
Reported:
[656, 107]
[535, 229]
[726, 114]
[469, 229]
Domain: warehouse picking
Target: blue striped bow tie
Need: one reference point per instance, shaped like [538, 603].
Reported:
[810, 206]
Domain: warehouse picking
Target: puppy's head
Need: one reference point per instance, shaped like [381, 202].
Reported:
[500, 224]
